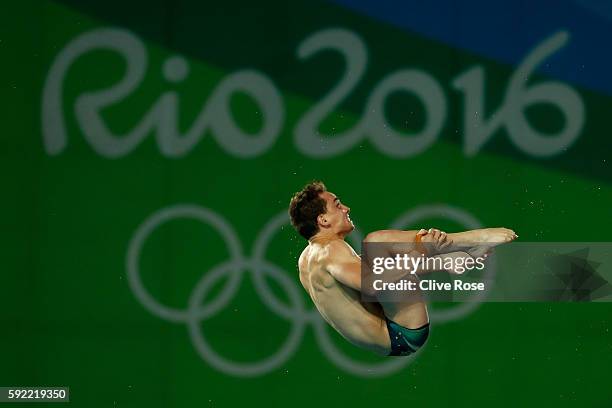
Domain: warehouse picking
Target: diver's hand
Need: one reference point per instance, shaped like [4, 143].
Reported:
[438, 241]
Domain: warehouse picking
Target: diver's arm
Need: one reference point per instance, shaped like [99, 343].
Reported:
[345, 267]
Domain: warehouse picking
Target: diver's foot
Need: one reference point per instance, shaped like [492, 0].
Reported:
[496, 236]
[490, 238]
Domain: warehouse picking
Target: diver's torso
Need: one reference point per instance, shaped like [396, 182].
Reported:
[359, 322]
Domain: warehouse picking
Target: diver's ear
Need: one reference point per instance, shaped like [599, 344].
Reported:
[323, 221]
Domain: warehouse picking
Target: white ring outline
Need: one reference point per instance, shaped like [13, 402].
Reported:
[145, 229]
[250, 369]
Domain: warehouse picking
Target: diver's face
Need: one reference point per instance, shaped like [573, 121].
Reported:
[337, 215]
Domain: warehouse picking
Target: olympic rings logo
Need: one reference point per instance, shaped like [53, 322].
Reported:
[259, 268]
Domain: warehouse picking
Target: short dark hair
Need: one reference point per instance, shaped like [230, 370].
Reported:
[305, 206]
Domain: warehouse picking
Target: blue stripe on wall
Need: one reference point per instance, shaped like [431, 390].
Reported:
[506, 30]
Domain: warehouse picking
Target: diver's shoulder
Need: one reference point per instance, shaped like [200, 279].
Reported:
[335, 251]
[323, 252]
[339, 246]
[303, 258]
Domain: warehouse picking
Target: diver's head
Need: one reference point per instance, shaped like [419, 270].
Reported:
[314, 210]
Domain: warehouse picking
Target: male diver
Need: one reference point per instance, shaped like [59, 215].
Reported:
[330, 271]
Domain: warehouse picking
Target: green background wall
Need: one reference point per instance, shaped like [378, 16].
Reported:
[69, 314]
